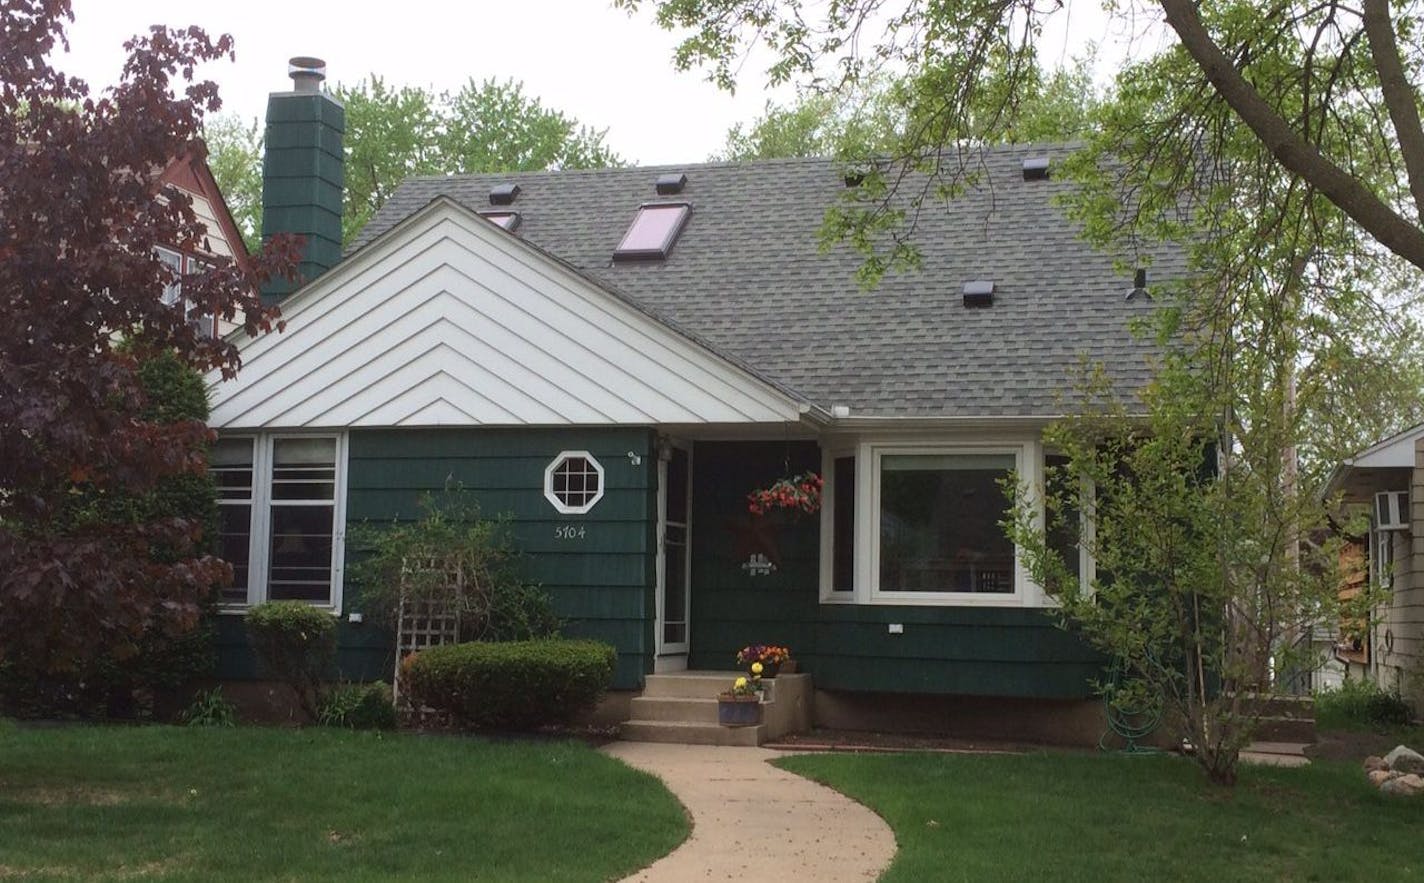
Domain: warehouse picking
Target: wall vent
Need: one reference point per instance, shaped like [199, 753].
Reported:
[1035, 168]
[979, 293]
[670, 184]
[503, 194]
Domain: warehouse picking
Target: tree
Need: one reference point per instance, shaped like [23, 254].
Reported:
[235, 159]
[1279, 146]
[1300, 77]
[81, 309]
[870, 119]
[392, 134]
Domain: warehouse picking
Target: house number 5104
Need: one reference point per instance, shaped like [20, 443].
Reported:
[570, 532]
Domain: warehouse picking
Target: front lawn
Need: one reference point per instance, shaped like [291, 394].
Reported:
[1110, 817]
[245, 804]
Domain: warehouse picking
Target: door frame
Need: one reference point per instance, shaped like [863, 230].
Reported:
[672, 656]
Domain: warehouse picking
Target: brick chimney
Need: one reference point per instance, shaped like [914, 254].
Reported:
[302, 175]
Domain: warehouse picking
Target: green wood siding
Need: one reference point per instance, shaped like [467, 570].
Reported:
[952, 650]
[602, 582]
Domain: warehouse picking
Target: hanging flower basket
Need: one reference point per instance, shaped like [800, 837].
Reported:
[797, 494]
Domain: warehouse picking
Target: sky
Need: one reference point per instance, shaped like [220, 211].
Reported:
[595, 63]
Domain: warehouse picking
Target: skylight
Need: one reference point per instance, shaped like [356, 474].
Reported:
[507, 220]
[653, 232]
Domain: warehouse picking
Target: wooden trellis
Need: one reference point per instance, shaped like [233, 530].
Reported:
[426, 622]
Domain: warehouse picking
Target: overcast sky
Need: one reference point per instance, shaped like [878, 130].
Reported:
[583, 57]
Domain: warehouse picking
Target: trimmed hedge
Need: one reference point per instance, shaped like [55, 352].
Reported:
[511, 685]
[295, 643]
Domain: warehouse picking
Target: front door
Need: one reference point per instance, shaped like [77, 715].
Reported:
[674, 585]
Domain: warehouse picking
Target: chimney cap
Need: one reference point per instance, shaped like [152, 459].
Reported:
[307, 72]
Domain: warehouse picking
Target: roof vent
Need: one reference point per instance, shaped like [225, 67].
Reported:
[1035, 168]
[670, 184]
[503, 194]
[1139, 285]
[979, 293]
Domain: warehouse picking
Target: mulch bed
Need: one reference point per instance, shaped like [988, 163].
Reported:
[1351, 745]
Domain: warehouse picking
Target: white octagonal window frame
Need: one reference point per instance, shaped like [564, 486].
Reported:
[552, 474]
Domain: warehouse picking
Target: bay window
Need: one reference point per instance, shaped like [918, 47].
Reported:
[281, 514]
[905, 522]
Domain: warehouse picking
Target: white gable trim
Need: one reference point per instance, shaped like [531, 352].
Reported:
[448, 320]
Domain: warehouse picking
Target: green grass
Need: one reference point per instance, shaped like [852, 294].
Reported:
[1068, 817]
[248, 804]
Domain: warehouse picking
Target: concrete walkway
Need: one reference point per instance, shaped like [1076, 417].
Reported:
[750, 818]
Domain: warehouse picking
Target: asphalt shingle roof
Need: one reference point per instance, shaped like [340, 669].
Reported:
[749, 277]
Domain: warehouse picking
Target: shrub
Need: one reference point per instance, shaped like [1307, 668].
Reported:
[358, 707]
[1361, 703]
[296, 644]
[210, 709]
[514, 685]
[421, 559]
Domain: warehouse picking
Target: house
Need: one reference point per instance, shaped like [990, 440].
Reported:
[189, 174]
[618, 357]
[1386, 481]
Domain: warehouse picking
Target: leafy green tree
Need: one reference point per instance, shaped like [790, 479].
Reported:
[1279, 146]
[235, 159]
[871, 119]
[393, 133]
[1299, 79]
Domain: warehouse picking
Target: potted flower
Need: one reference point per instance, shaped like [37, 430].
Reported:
[741, 705]
[766, 660]
[797, 495]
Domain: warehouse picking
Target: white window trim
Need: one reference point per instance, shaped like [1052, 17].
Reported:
[553, 499]
[830, 453]
[261, 527]
[1028, 460]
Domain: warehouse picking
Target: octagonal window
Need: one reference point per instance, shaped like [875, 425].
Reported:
[573, 483]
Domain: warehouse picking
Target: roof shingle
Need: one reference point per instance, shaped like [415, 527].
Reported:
[748, 276]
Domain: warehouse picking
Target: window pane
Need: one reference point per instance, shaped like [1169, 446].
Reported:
[304, 469]
[677, 486]
[234, 535]
[843, 524]
[939, 524]
[1063, 529]
[300, 566]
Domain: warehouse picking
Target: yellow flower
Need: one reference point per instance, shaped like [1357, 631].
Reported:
[756, 668]
[740, 682]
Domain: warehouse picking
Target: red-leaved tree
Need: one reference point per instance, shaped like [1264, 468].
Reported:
[81, 212]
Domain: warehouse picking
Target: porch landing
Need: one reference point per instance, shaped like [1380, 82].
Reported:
[681, 707]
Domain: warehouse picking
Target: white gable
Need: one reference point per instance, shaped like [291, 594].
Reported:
[447, 320]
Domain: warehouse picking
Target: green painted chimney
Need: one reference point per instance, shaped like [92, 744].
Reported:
[302, 177]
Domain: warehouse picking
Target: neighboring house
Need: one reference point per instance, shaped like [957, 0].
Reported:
[190, 174]
[616, 358]
[1386, 481]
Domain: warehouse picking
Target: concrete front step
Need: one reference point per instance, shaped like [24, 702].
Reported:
[689, 733]
[668, 708]
[689, 684]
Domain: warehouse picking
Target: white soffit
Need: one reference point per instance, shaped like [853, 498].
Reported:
[447, 320]
[1392, 453]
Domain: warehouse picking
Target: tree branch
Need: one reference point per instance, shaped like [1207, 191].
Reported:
[1295, 154]
[1399, 95]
